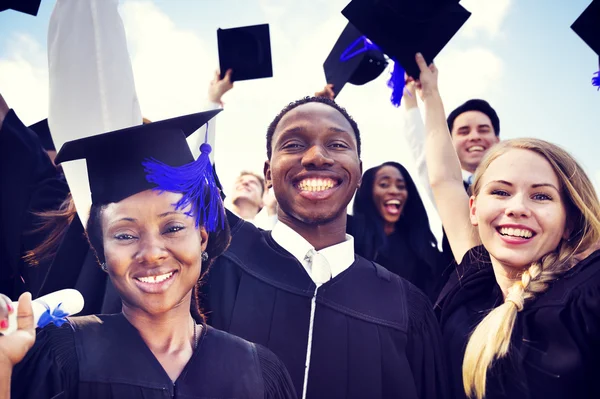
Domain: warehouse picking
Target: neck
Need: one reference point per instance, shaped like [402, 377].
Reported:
[245, 209]
[468, 168]
[319, 235]
[506, 276]
[389, 228]
[164, 333]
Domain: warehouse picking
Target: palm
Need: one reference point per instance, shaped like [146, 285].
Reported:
[13, 347]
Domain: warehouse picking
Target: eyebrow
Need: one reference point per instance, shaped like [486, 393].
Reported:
[162, 215]
[537, 185]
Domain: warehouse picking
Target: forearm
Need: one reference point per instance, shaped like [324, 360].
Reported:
[5, 376]
[442, 161]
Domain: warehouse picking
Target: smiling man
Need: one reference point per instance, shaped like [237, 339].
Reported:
[345, 327]
[475, 128]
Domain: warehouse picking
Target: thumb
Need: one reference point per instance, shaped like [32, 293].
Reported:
[421, 62]
[25, 313]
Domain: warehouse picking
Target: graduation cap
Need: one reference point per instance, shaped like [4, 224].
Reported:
[587, 27]
[151, 156]
[247, 51]
[402, 28]
[30, 7]
[354, 59]
[42, 129]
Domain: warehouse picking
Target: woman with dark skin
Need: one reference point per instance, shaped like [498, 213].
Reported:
[154, 242]
[390, 226]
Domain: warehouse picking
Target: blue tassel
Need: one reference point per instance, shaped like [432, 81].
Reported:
[596, 80]
[196, 182]
[57, 316]
[396, 83]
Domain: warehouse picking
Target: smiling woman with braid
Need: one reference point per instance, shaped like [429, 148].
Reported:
[521, 316]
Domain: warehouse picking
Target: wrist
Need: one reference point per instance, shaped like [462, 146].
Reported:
[430, 94]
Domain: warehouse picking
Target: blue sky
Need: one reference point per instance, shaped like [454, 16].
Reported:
[521, 56]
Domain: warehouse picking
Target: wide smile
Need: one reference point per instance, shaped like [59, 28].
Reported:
[393, 206]
[317, 188]
[475, 148]
[515, 235]
[155, 284]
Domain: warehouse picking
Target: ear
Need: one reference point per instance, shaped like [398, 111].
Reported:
[267, 173]
[497, 139]
[473, 211]
[203, 238]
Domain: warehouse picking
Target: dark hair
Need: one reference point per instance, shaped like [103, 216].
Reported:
[218, 241]
[476, 105]
[306, 100]
[368, 229]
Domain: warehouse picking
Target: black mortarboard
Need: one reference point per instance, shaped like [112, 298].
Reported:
[587, 26]
[247, 51]
[30, 7]
[115, 160]
[353, 59]
[401, 28]
[42, 129]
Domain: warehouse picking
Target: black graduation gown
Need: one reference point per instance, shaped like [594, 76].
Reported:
[374, 336]
[29, 182]
[555, 349]
[102, 357]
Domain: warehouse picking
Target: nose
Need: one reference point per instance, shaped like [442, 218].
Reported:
[517, 207]
[151, 250]
[316, 157]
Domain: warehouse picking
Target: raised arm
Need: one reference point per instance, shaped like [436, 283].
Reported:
[444, 168]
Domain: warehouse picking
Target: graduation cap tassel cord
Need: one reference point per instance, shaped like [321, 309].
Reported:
[195, 181]
[396, 83]
[596, 80]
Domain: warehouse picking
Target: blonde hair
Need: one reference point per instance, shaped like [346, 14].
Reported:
[491, 338]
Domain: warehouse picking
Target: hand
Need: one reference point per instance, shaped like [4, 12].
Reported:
[3, 109]
[270, 202]
[13, 347]
[219, 86]
[428, 79]
[327, 92]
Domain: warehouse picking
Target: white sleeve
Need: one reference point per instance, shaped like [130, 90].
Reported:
[92, 89]
[414, 132]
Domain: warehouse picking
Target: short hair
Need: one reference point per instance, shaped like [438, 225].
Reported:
[306, 100]
[259, 177]
[476, 105]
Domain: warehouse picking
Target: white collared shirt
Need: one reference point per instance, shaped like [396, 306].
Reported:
[340, 256]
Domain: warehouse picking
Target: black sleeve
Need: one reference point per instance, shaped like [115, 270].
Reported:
[277, 381]
[424, 348]
[50, 369]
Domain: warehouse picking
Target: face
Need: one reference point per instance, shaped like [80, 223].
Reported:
[472, 136]
[153, 253]
[248, 188]
[314, 168]
[519, 210]
[389, 193]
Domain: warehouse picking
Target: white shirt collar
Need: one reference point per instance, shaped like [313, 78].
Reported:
[340, 256]
[466, 175]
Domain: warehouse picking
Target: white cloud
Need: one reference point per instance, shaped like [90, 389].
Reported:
[24, 77]
[487, 17]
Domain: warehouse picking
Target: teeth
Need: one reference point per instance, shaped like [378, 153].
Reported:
[475, 148]
[316, 184]
[509, 231]
[393, 202]
[155, 279]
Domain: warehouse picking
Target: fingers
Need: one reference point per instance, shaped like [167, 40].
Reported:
[421, 62]
[6, 308]
[25, 313]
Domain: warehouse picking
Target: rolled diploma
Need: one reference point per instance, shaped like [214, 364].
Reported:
[71, 303]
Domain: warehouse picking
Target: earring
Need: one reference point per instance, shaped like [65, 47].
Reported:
[103, 267]
[204, 256]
